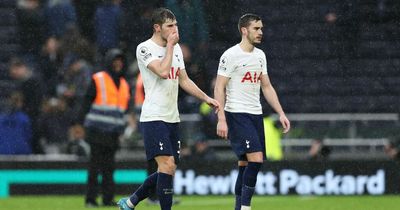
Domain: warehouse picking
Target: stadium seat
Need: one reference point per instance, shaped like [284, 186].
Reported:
[7, 3]
[7, 16]
[8, 34]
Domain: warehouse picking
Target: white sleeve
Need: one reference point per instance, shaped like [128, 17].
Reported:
[264, 64]
[180, 57]
[145, 55]
[226, 65]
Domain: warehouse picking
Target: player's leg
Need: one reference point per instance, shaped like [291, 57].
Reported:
[151, 144]
[152, 168]
[255, 155]
[153, 198]
[255, 160]
[154, 149]
[241, 132]
[166, 171]
[143, 191]
[167, 166]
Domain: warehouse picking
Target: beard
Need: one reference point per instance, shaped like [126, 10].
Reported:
[253, 40]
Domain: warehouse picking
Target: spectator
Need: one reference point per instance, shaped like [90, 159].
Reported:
[76, 142]
[54, 122]
[273, 146]
[342, 20]
[49, 63]
[75, 82]
[192, 24]
[32, 92]
[15, 128]
[193, 67]
[186, 102]
[131, 134]
[59, 15]
[216, 13]
[208, 117]
[319, 151]
[74, 44]
[107, 22]
[139, 93]
[208, 121]
[134, 32]
[201, 151]
[85, 10]
[30, 21]
[392, 149]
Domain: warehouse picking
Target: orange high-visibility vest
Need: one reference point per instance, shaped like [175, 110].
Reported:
[139, 91]
[109, 106]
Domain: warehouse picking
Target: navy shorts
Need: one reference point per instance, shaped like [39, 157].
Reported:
[161, 138]
[246, 133]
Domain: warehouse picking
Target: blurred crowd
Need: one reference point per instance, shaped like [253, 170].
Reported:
[63, 42]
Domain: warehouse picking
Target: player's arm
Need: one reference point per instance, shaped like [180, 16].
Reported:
[190, 87]
[220, 95]
[272, 99]
[163, 67]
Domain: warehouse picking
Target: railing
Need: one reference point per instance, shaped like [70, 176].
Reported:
[354, 136]
[352, 119]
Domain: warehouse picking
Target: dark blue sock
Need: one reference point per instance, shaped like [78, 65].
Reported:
[249, 182]
[144, 190]
[164, 190]
[238, 187]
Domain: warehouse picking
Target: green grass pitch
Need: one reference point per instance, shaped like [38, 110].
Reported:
[217, 203]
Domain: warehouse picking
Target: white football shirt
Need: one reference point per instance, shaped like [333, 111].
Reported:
[161, 95]
[244, 70]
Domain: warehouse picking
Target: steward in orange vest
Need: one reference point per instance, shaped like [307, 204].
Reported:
[103, 110]
[107, 98]
[109, 106]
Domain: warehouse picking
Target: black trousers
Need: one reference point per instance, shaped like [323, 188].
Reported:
[102, 162]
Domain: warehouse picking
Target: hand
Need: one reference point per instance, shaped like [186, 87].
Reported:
[285, 123]
[173, 38]
[213, 103]
[222, 129]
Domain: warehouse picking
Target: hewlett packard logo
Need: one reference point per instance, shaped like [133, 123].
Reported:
[288, 181]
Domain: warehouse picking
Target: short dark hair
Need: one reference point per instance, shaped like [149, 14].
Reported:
[161, 15]
[245, 20]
